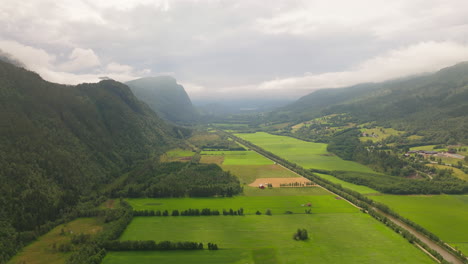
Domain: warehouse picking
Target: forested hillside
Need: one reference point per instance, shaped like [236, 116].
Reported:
[433, 106]
[59, 143]
[165, 97]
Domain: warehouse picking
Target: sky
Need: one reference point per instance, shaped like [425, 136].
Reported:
[239, 48]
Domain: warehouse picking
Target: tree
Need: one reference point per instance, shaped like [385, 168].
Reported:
[301, 234]
[268, 212]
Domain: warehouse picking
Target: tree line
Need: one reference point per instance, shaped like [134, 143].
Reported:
[188, 212]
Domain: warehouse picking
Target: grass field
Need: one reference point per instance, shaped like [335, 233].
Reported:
[307, 154]
[177, 155]
[240, 157]
[249, 173]
[456, 172]
[338, 233]
[246, 165]
[444, 215]
[428, 148]
[358, 188]
[255, 191]
[41, 251]
[277, 204]
[380, 133]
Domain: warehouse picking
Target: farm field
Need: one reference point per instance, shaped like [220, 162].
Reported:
[177, 155]
[307, 154]
[444, 215]
[246, 165]
[358, 188]
[320, 203]
[456, 172]
[380, 133]
[303, 191]
[239, 157]
[41, 251]
[177, 257]
[334, 237]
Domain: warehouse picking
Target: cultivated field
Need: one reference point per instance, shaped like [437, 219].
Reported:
[456, 172]
[246, 165]
[358, 188]
[177, 155]
[379, 133]
[321, 202]
[339, 233]
[42, 252]
[444, 215]
[307, 154]
[239, 157]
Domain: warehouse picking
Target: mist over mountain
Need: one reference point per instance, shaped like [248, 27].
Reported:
[166, 97]
[433, 104]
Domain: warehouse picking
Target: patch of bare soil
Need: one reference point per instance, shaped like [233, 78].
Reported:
[276, 182]
[212, 159]
[109, 204]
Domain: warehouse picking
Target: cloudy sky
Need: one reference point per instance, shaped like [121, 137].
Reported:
[221, 48]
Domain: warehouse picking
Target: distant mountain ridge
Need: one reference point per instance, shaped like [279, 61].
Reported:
[166, 97]
[435, 103]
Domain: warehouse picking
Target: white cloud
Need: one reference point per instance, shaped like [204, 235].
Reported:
[415, 59]
[46, 65]
[423, 57]
[116, 67]
[81, 59]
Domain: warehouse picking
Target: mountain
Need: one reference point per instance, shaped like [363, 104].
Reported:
[60, 143]
[165, 97]
[434, 105]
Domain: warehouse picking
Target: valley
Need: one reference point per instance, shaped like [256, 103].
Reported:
[96, 176]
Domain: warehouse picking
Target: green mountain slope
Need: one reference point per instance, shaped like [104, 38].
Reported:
[434, 105]
[61, 142]
[165, 97]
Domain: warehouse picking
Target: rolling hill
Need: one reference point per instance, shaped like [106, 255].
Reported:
[433, 105]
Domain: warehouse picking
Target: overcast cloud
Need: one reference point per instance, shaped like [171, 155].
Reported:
[236, 48]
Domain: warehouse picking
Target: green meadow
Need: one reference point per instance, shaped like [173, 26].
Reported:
[240, 157]
[249, 173]
[358, 188]
[307, 154]
[320, 203]
[338, 233]
[41, 251]
[246, 165]
[444, 215]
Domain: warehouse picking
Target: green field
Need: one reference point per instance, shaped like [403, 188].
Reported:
[307, 154]
[177, 155]
[303, 191]
[277, 204]
[444, 215]
[358, 188]
[428, 148]
[249, 173]
[246, 165]
[379, 133]
[338, 233]
[240, 157]
[41, 250]
[456, 172]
